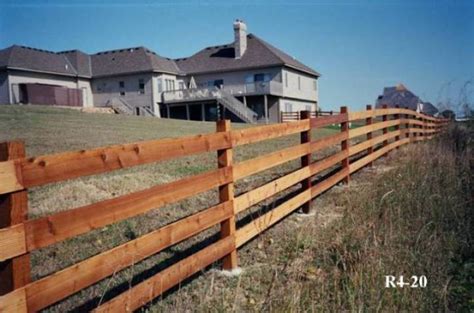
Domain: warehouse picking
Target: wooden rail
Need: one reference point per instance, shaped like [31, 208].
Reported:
[384, 130]
[296, 115]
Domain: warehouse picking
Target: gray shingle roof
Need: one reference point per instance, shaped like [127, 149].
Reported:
[140, 59]
[78, 63]
[130, 60]
[20, 57]
[222, 58]
[404, 98]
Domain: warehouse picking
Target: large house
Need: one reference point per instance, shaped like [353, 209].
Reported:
[247, 80]
[400, 96]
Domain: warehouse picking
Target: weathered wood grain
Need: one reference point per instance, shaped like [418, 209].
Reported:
[264, 162]
[58, 167]
[256, 134]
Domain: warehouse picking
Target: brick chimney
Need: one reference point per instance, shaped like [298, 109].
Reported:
[240, 36]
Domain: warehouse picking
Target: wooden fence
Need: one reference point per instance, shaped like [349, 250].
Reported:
[19, 235]
[296, 115]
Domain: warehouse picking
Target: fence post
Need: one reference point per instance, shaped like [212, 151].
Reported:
[415, 134]
[407, 125]
[226, 193]
[345, 144]
[397, 127]
[425, 126]
[368, 121]
[385, 129]
[14, 273]
[305, 137]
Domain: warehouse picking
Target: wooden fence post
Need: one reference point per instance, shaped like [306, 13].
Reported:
[14, 273]
[397, 127]
[345, 144]
[305, 137]
[415, 134]
[226, 193]
[385, 129]
[425, 122]
[407, 125]
[368, 121]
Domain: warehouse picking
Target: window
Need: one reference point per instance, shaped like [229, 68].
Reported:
[288, 107]
[286, 79]
[299, 82]
[169, 84]
[121, 84]
[261, 77]
[309, 107]
[181, 85]
[215, 83]
[315, 84]
[141, 86]
[160, 85]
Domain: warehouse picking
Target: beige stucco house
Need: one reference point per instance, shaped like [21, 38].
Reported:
[247, 80]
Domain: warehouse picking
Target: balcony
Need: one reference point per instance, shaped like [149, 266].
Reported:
[211, 93]
[257, 88]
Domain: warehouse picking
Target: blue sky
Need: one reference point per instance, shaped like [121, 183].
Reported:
[358, 46]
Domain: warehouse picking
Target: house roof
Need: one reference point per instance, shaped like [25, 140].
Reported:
[259, 53]
[404, 98]
[140, 59]
[20, 57]
[78, 63]
[130, 60]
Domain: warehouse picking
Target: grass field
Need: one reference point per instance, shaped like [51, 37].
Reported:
[410, 214]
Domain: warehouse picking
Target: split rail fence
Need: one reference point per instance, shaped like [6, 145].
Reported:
[296, 115]
[384, 130]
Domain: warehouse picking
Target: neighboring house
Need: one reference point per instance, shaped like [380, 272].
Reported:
[248, 80]
[30, 75]
[404, 98]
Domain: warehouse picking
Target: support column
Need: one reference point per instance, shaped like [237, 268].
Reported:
[265, 105]
[168, 111]
[203, 112]
[188, 116]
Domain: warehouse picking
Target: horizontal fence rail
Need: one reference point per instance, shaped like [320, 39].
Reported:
[296, 115]
[379, 132]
